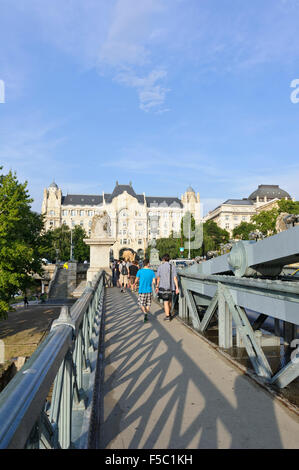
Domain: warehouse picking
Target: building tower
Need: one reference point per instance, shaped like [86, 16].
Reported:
[51, 206]
[191, 203]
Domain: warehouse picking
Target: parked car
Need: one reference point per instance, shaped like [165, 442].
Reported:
[179, 263]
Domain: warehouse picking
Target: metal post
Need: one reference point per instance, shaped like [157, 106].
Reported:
[277, 327]
[65, 414]
[225, 329]
[189, 235]
[182, 306]
[289, 331]
[71, 253]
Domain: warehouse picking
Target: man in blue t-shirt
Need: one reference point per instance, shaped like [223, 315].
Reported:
[146, 280]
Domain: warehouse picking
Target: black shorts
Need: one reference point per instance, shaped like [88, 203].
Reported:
[166, 297]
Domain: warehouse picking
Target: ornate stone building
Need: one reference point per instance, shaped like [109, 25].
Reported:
[130, 213]
[234, 211]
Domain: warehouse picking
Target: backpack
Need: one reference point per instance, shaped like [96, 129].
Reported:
[124, 270]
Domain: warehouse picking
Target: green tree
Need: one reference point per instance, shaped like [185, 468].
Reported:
[81, 250]
[57, 244]
[168, 245]
[243, 230]
[213, 237]
[291, 207]
[265, 221]
[20, 240]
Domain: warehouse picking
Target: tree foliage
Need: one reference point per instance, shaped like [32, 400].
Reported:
[265, 221]
[291, 207]
[212, 237]
[20, 240]
[57, 244]
[242, 231]
[81, 250]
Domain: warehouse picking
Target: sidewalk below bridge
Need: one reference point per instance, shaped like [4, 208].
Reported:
[166, 388]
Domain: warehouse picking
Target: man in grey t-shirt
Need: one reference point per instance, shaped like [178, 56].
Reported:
[163, 282]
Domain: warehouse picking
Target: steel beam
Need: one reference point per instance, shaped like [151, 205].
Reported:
[254, 350]
[276, 299]
[225, 321]
[267, 256]
[286, 375]
[209, 313]
[192, 310]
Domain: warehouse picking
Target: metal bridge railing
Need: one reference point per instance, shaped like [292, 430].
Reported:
[63, 357]
[227, 299]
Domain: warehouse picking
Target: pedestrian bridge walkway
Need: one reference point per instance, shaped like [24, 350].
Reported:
[166, 388]
[104, 379]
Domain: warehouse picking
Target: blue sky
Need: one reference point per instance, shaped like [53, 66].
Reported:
[163, 93]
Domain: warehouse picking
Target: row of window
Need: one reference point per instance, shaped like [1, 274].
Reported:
[165, 214]
[228, 227]
[90, 213]
[126, 241]
[236, 217]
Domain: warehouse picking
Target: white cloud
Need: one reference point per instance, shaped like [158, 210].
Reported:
[128, 33]
[112, 37]
[135, 40]
[151, 94]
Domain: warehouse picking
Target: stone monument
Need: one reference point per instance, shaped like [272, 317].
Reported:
[100, 242]
[154, 254]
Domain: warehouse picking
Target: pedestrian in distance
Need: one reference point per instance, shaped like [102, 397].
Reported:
[26, 303]
[133, 270]
[123, 277]
[146, 277]
[114, 273]
[117, 273]
[167, 284]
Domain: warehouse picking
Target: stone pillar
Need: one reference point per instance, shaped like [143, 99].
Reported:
[99, 255]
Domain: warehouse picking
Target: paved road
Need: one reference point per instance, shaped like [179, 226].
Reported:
[166, 388]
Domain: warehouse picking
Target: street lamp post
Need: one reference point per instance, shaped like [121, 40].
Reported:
[189, 235]
[71, 253]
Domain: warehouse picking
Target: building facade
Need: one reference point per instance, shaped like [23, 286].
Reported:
[130, 213]
[232, 212]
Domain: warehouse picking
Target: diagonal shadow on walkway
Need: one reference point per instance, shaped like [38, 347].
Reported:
[158, 396]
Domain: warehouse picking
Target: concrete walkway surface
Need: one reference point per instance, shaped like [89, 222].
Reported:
[165, 388]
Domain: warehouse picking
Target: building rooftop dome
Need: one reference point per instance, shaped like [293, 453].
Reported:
[270, 191]
[53, 185]
[190, 190]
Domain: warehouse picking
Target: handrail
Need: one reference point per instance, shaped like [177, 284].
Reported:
[261, 284]
[63, 356]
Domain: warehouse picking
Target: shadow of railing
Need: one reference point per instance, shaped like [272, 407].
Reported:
[65, 355]
[167, 398]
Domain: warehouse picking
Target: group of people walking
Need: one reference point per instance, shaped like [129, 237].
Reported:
[165, 282]
[124, 274]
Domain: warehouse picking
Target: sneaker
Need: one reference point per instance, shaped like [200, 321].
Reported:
[166, 318]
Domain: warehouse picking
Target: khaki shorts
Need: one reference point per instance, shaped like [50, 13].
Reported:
[123, 279]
